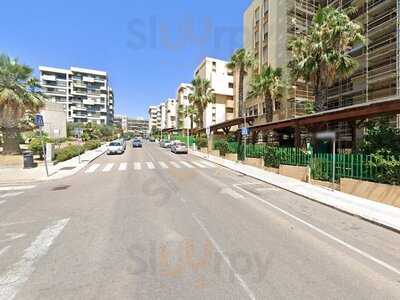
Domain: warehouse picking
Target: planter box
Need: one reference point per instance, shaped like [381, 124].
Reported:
[231, 156]
[272, 170]
[383, 193]
[299, 173]
[204, 150]
[255, 162]
[215, 153]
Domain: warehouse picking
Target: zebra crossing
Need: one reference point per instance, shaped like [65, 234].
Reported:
[147, 166]
[7, 192]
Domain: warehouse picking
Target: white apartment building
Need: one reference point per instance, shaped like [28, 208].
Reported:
[163, 116]
[154, 115]
[86, 94]
[182, 104]
[139, 126]
[221, 78]
[171, 115]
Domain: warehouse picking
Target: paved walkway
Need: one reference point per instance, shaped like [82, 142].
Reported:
[58, 171]
[370, 210]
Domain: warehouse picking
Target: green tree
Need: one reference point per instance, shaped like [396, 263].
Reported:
[191, 112]
[241, 61]
[20, 98]
[322, 55]
[202, 95]
[269, 85]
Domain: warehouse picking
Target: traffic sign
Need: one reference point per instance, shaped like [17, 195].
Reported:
[208, 130]
[245, 131]
[39, 121]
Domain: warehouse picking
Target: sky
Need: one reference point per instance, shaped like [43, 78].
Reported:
[147, 47]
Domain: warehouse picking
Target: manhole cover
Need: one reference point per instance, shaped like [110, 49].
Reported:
[60, 188]
[67, 168]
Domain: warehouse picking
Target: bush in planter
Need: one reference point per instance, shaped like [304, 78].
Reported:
[69, 152]
[388, 169]
[91, 145]
[222, 146]
[202, 142]
[36, 144]
[271, 158]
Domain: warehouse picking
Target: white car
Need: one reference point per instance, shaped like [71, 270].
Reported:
[116, 147]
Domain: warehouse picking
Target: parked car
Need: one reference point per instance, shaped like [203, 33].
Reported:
[115, 147]
[165, 144]
[151, 139]
[179, 147]
[137, 144]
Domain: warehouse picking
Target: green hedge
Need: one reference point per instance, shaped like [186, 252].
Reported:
[91, 145]
[222, 146]
[69, 152]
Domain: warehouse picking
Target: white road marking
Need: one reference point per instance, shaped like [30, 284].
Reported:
[19, 273]
[232, 193]
[137, 166]
[108, 167]
[17, 188]
[266, 189]
[11, 194]
[123, 167]
[150, 165]
[186, 164]
[163, 165]
[4, 250]
[198, 164]
[175, 165]
[209, 164]
[92, 168]
[322, 232]
[12, 237]
[225, 258]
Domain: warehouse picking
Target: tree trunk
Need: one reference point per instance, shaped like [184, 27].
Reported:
[241, 96]
[269, 115]
[11, 145]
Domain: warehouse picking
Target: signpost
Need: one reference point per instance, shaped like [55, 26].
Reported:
[39, 123]
[245, 133]
[78, 134]
[330, 135]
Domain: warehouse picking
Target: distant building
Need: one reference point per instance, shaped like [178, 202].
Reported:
[221, 78]
[182, 104]
[55, 120]
[153, 114]
[86, 94]
[138, 126]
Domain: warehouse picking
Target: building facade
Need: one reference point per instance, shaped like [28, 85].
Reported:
[55, 120]
[86, 94]
[269, 26]
[138, 126]
[153, 114]
[221, 78]
[182, 105]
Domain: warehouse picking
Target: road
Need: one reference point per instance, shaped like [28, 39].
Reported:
[150, 224]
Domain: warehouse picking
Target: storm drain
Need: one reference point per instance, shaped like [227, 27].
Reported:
[60, 188]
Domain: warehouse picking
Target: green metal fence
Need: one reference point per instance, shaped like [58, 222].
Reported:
[357, 166]
[183, 139]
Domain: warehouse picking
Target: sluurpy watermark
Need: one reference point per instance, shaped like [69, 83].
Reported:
[178, 258]
[155, 33]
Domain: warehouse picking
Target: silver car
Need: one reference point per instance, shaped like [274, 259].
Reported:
[179, 147]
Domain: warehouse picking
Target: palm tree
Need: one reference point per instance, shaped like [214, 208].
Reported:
[269, 85]
[19, 97]
[202, 95]
[191, 112]
[241, 61]
[322, 55]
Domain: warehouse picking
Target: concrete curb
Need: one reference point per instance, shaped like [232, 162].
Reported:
[382, 214]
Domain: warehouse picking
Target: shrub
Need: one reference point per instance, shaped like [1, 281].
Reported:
[36, 145]
[202, 142]
[388, 169]
[271, 157]
[222, 146]
[90, 145]
[69, 152]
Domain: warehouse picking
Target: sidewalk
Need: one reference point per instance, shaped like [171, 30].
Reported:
[370, 210]
[58, 171]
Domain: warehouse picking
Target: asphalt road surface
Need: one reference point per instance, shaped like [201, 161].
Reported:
[150, 224]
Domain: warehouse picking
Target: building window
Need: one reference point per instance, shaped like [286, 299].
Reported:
[230, 85]
[229, 110]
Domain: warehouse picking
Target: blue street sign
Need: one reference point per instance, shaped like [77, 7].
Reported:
[39, 120]
[245, 131]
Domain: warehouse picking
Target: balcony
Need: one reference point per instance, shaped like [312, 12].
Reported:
[49, 77]
[87, 79]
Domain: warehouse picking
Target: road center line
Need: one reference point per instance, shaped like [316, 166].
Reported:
[11, 194]
[19, 273]
[322, 232]
[225, 258]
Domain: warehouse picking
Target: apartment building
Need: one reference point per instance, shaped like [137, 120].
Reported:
[182, 104]
[138, 126]
[154, 122]
[170, 114]
[269, 26]
[221, 78]
[86, 94]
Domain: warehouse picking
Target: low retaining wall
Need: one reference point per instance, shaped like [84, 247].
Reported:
[231, 156]
[255, 162]
[215, 152]
[383, 193]
[299, 173]
[204, 150]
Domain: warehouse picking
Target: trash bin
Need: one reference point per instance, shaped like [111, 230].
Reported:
[28, 160]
